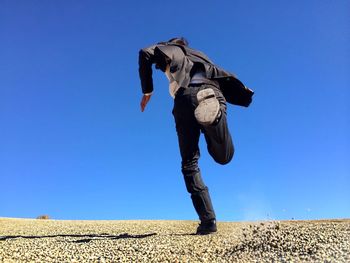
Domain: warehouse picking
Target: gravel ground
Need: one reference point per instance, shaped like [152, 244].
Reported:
[34, 240]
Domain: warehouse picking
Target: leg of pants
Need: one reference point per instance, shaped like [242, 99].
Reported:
[188, 131]
[218, 137]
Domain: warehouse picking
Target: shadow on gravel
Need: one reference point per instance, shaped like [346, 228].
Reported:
[85, 240]
[189, 234]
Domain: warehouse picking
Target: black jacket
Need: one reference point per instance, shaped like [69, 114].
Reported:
[182, 61]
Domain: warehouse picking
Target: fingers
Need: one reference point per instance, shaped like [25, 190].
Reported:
[143, 106]
[145, 99]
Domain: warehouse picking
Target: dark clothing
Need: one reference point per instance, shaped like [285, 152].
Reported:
[218, 140]
[184, 63]
[183, 60]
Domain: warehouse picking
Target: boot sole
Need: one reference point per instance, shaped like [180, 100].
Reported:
[201, 233]
[208, 107]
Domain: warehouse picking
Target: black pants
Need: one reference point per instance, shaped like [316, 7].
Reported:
[219, 144]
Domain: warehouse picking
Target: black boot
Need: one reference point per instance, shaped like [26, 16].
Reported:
[201, 200]
[200, 196]
[202, 204]
[207, 227]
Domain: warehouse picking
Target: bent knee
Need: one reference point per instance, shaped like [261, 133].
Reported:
[224, 159]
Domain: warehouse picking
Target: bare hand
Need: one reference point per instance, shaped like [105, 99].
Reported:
[145, 99]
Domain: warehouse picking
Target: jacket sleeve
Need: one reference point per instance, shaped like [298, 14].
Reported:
[146, 59]
[234, 91]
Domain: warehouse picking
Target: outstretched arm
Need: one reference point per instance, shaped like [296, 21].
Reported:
[146, 59]
[145, 99]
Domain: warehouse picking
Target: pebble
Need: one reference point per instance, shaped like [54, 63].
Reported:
[34, 240]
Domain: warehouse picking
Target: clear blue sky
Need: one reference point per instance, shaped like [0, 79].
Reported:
[75, 145]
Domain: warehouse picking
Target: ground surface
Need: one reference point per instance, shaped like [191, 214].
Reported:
[35, 240]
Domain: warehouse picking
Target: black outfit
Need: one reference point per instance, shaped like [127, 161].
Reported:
[218, 140]
[184, 62]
